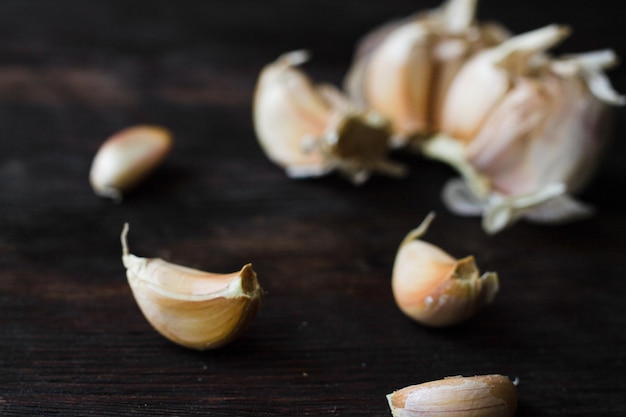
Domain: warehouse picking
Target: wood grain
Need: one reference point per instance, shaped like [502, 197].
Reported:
[328, 339]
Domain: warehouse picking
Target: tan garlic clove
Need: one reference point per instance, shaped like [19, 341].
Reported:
[404, 68]
[435, 289]
[458, 396]
[288, 109]
[195, 309]
[397, 79]
[127, 157]
[311, 130]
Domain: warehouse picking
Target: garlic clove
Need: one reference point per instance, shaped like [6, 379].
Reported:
[311, 130]
[127, 157]
[435, 289]
[195, 309]
[487, 77]
[287, 109]
[396, 81]
[403, 69]
[458, 396]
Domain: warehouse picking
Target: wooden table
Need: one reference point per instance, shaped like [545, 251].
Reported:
[329, 339]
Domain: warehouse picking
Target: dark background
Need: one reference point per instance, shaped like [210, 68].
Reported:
[328, 339]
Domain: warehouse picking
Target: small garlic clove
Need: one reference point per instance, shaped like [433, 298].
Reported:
[435, 289]
[127, 157]
[195, 309]
[311, 130]
[458, 396]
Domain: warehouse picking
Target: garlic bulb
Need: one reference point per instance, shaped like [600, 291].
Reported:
[458, 396]
[195, 309]
[403, 69]
[127, 157]
[312, 130]
[435, 289]
[524, 130]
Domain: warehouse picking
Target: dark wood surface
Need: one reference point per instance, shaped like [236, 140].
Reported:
[328, 339]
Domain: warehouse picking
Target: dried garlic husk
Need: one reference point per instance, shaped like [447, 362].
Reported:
[458, 396]
[525, 130]
[195, 309]
[127, 157]
[435, 289]
[403, 69]
[311, 130]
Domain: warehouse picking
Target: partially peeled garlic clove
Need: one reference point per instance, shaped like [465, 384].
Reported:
[311, 130]
[435, 289]
[195, 309]
[403, 69]
[458, 396]
[127, 157]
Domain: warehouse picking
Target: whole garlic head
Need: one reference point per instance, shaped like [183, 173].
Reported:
[195, 309]
[403, 69]
[525, 130]
[435, 289]
[311, 130]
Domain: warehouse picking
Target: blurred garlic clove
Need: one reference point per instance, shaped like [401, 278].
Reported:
[312, 130]
[458, 396]
[435, 289]
[195, 309]
[488, 76]
[397, 79]
[287, 109]
[403, 69]
[127, 157]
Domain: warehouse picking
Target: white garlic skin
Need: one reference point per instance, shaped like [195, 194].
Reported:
[127, 157]
[193, 308]
[435, 289]
[477, 396]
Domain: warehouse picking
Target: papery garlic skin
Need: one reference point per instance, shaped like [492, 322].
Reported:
[403, 69]
[525, 131]
[127, 157]
[311, 130]
[435, 289]
[476, 396]
[195, 309]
